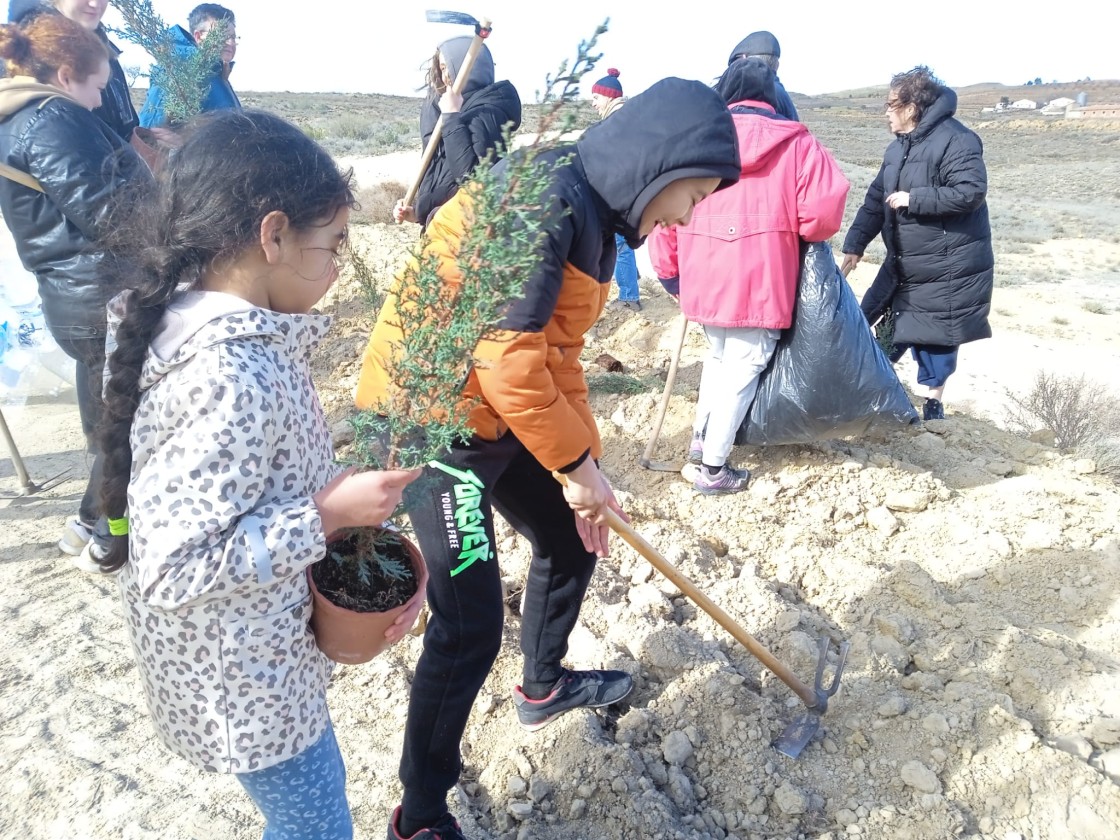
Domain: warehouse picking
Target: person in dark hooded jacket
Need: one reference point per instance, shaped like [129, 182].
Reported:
[472, 124]
[116, 109]
[648, 165]
[76, 164]
[929, 204]
[764, 47]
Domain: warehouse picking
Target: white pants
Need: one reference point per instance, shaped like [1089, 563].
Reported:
[736, 359]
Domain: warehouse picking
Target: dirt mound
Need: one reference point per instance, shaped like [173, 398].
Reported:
[973, 572]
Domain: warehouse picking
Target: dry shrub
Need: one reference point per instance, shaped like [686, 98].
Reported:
[1081, 413]
[375, 204]
[1106, 455]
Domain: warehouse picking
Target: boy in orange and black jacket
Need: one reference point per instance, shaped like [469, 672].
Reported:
[648, 165]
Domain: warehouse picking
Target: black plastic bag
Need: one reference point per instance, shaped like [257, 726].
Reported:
[828, 377]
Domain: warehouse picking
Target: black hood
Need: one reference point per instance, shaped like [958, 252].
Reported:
[501, 96]
[943, 108]
[675, 129]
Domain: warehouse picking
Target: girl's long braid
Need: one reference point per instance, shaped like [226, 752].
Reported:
[158, 271]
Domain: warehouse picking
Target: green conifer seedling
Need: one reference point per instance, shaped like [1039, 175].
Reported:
[183, 75]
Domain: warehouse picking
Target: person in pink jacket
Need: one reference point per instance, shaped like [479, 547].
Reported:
[735, 266]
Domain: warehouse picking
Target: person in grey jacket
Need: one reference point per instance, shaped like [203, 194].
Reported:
[929, 203]
[220, 482]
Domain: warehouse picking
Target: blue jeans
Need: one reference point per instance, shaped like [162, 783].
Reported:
[935, 362]
[625, 270]
[304, 798]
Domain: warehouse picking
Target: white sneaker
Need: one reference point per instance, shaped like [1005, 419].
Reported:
[75, 537]
[87, 560]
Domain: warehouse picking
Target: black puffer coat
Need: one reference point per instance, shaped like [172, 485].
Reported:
[80, 163]
[937, 278]
[117, 110]
[468, 136]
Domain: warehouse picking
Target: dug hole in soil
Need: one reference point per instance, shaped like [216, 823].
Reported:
[974, 573]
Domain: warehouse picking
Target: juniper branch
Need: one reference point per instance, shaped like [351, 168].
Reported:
[443, 323]
[184, 77]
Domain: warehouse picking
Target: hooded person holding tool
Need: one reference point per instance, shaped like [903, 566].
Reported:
[648, 165]
[472, 124]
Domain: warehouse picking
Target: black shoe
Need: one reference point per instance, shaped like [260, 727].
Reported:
[574, 690]
[446, 828]
[933, 410]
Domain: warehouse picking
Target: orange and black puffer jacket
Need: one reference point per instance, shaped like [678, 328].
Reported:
[528, 374]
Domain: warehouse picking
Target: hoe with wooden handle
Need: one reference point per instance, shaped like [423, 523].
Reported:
[799, 733]
[481, 33]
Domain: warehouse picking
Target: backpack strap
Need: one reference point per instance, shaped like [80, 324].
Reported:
[20, 177]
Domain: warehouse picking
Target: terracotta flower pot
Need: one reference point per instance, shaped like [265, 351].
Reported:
[153, 152]
[350, 637]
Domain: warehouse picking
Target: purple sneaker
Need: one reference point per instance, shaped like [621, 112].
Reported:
[696, 449]
[727, 480]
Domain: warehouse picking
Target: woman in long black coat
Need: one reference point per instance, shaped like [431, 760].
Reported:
[929, 203]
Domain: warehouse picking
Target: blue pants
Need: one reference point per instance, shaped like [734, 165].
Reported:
[625, 270]
[935, 363]
[304, 798]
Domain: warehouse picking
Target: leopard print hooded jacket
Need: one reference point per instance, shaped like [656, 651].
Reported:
[229, 442]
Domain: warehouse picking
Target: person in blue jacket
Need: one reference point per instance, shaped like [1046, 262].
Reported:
[201, 21]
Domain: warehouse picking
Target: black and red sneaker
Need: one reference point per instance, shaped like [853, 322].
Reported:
[445, 828]
[574, 690]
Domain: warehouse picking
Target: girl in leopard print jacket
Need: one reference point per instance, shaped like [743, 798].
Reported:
[219, 461]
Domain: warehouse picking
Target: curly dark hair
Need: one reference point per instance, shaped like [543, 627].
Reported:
[917, 87]
[204, 209]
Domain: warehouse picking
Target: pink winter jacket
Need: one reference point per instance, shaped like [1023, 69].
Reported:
[738, 259]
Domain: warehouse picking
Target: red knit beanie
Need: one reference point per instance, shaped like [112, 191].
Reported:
[608, 86]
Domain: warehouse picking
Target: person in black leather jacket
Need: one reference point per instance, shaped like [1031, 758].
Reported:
[116, 108]
[56, 73]
[472, 124]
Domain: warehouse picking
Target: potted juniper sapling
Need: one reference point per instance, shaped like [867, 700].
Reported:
[370, 575]
[183, 75]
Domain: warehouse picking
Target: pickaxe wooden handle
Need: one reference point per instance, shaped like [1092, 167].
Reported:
[482, 31]
[667, 394]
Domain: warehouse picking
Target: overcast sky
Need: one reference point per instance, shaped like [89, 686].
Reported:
[377, 46]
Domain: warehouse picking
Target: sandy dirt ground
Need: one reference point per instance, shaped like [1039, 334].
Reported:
[974, 572]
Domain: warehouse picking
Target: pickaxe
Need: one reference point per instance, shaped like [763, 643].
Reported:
[799, 733]
[481, 33]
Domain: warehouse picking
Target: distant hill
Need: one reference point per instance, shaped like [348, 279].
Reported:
[975, 96]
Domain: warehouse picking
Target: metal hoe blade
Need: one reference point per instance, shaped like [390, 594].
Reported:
[799, 733]
[437, 16]
[659, 466]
